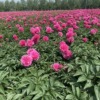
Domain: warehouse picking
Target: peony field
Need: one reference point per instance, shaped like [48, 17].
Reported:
[50, 55]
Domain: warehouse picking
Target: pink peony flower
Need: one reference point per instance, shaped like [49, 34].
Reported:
[22, 43]
[60, 34]
[64, 25]
[70, 29]
[34, 54]
[32, 30]
[35, 30]
[69, 34]
[57, 27]
[45, 38]
[26, 60]
[67, 54]
[1, 36]
[63, 46]
[30, 50]
[70, 39]
[85, 39]
[49, 29]
[20, 29]
[36, 38]
[56, 66]
[29, 43]
[93, 31]
[15, 37]
[17, 25]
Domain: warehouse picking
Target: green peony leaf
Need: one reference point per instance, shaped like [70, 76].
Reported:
[82, 79]
[70, 97]
[97, 92]
[88, 85]
[38, 96]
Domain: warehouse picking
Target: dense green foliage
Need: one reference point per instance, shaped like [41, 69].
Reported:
[47, 4]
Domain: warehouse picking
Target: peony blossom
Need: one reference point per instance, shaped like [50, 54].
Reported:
[29, 43]
[20, 29]
[85, 39]
[22, 43]
[56, 67]
[49, 29]
[60, 34]
[69, 34]
[58, 27]
[15, 37]
[64, 25]
[63, 46]
[36, 38]
[26, 60]
[17, 25]
[34, 54]
[70, 40]
[93, 31]
[30, 50]
[67, 54]
[35, 30]
[1, 36]
[45, 38]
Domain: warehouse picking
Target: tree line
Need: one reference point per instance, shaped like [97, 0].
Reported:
[47, 4]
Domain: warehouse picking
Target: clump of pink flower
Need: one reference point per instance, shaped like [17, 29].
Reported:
[65, 51]
[26, 60]
[15, 37]
[1, 36]
[20, 29]
[36, 38]
[85, 39]
[70, 39]
[35, 30]
[34, 54]
[60, 34]
[93, 31]
[17, 25]
[45, 38]
[56, 67]
[49, 29]
[63, 25]
[70, 35]
[58, 27]
[29, 43]
[22, 43]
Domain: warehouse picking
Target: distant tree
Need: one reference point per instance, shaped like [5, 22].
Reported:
[12, 5]
[50, 5]
[7, 5]
[30, 4]
[2, 6]
[64, 4]
[18, 6]
[78, 4]
[42, 4]
[35, 4]
[58, 4]
[23, 5]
